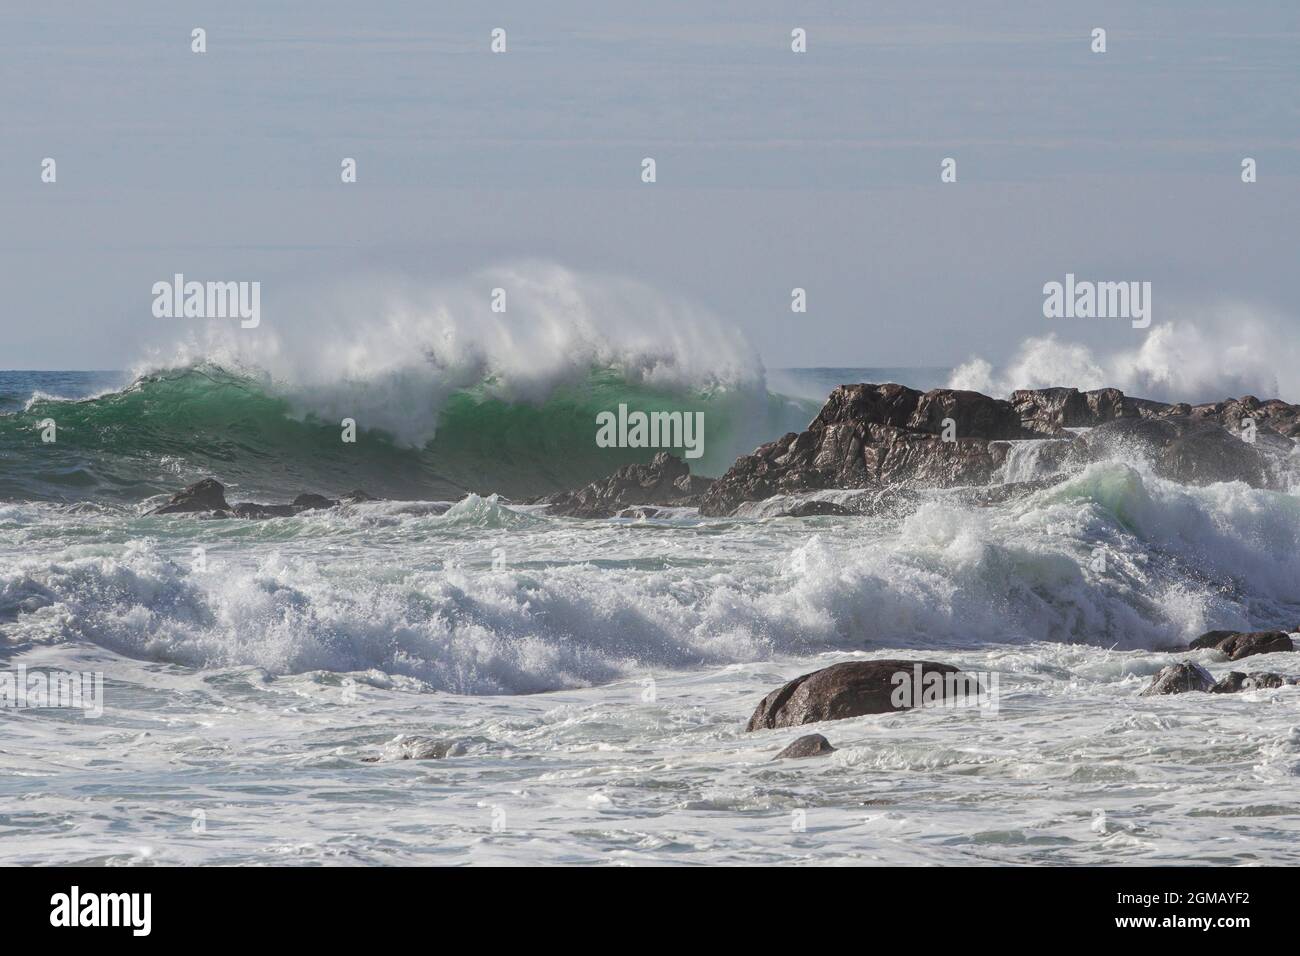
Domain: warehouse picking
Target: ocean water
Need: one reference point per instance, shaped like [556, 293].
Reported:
[263, 680]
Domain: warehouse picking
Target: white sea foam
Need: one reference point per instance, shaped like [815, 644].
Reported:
[479, 597]
[1229, 351]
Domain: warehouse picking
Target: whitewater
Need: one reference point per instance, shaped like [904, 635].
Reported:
[590, 680]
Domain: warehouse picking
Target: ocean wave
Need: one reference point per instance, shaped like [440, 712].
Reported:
[421, 595]
[169, 428]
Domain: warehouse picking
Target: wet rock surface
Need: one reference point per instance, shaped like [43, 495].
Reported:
[868, 436]
[207, 498]
[809, 745]
[891, 436]
[840, 691]
[1179, 678]
[1189, 450]
[1236, 682]
[1239, 644]
[310, 502]
[206, 495]
[665, 481]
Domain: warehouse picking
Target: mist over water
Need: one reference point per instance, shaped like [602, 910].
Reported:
[1226, 352]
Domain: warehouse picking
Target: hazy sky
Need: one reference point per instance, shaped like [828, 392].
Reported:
[775, 169]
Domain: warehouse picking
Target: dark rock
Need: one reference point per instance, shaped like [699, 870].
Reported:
[1273, 415]
[356, 497]
[1179, 679]
[1256, 642]
[1188, 450]
[851, 689]
[309, 502]
[889, 435]
[250, 509]
[205, 495]
[809, 509]
[1237, 644]
[1230, 684]
[666, 480]
[1049, 410]
[872, 436]
[973, 415]
[1237, 681]
[809, 745]
[1211, 639]
[209, 497]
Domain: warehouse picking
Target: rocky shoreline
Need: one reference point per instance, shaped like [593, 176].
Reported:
[890, 439]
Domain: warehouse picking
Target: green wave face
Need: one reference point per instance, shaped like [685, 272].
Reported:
[168, 429]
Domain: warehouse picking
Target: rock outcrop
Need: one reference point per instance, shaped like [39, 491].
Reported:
[1050, 410]
[809, 745]
[209, 497]
[876, 436]
[854, 688]
[1191, 450]
[205, 495]
[1278, 416]
[1239, 644]
[665, 481]
[1236, 682]
[1179, 679]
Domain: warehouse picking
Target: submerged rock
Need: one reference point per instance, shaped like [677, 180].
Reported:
[1239, 644]
[809, 745]
[249, 509]
[816, 507]
[415, 747]
[851, 689]
[1180, 679]
[643, 512]
[206, 495]
[666, 480]
[309, 502]
[1237, 681]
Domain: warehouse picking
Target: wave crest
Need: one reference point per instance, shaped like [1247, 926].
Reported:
[1234, 351]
